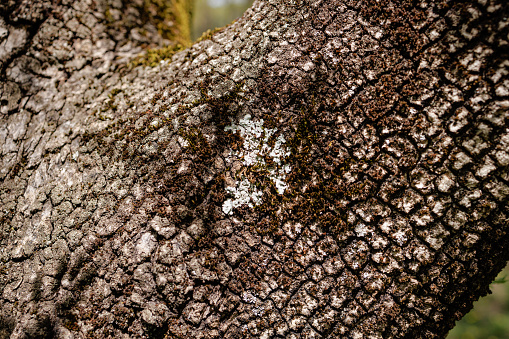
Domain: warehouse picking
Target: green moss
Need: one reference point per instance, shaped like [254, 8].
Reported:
[153, 57]
[198, 144]
[195, 139]
[317, 191]
[207, 35]
[114, 92]
[108, 16]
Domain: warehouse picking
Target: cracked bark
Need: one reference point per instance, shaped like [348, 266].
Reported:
[392, 218]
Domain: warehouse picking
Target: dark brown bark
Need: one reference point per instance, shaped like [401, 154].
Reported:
[316, 169]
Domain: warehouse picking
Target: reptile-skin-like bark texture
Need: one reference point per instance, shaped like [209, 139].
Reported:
[317, 169]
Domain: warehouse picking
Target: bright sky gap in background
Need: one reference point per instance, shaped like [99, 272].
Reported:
[219, 3]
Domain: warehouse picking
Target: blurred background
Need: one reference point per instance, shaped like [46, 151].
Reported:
[489, 319]
[210, 14]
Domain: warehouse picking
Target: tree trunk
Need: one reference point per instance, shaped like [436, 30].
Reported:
[316, 169]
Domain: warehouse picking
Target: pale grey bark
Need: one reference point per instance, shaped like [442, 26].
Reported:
[116, 183]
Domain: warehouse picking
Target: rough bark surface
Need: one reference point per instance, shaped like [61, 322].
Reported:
[316, 169]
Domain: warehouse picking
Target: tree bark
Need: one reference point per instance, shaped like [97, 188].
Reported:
[316, 169]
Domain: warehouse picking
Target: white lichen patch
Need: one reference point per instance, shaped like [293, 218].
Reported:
[243, 194]
[256, 148]
[249, 298]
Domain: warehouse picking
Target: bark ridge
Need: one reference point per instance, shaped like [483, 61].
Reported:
[316, 169]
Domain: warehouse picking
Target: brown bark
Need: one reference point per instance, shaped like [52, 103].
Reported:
[316, 169]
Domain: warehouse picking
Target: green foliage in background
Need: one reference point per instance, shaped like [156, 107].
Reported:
[172, 18]
[489, 319]
[206, 17]
[152, 57]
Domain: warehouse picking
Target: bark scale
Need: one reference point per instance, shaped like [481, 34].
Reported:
[316, 169]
